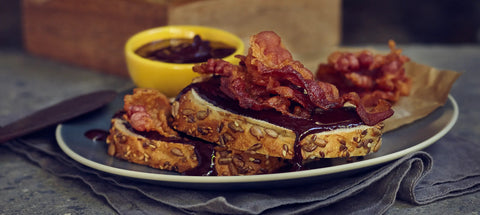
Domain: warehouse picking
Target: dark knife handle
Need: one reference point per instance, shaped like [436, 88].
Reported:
[57, 113]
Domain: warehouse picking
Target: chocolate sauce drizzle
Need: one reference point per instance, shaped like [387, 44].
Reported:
[96, 135]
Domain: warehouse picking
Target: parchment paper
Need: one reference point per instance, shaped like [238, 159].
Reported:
[429, 91]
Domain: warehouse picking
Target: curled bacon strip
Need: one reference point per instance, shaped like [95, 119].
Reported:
[380, 76]
[370, 109]
[268, 77]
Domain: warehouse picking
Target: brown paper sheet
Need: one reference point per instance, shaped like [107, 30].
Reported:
[429, 91]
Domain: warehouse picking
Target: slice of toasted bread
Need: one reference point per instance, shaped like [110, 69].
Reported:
[197, 117]
[182, 157]
[235, 162]
[166, 155]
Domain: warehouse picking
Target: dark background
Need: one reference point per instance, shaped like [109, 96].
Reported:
[411, 21]
[364, 22]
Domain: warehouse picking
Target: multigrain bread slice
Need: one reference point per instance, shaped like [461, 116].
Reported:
[183, 155]
[197, 117]
[171, 155]
[234, 162]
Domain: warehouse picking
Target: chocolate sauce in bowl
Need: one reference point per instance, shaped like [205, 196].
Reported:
[181, 51]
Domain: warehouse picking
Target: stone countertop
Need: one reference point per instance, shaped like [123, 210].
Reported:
[29, 83]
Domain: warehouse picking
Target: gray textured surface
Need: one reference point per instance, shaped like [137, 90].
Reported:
[28, 83]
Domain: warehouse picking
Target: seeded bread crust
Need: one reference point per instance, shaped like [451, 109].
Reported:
[127, 145]
[234, 162]
[345, 142]
[199, 118]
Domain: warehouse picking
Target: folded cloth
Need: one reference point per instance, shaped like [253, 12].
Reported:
[412, 178]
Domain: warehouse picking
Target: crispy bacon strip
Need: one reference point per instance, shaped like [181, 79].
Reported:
[148, 110]
[268, 77]
[370, 109]
[379, 76]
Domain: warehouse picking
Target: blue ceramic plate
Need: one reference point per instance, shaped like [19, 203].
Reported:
[397, 143]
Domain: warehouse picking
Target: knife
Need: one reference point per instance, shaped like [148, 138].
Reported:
[57, 113]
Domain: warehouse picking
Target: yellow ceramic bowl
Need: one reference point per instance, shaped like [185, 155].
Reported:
[171, 78]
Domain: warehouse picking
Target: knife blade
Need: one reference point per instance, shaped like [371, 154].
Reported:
[57, 113]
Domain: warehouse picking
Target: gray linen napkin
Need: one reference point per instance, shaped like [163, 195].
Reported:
[412, 178]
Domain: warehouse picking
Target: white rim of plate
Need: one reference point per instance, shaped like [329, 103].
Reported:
[257, 178]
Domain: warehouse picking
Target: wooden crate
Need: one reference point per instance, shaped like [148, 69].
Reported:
[92, 33]
[87, 33]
